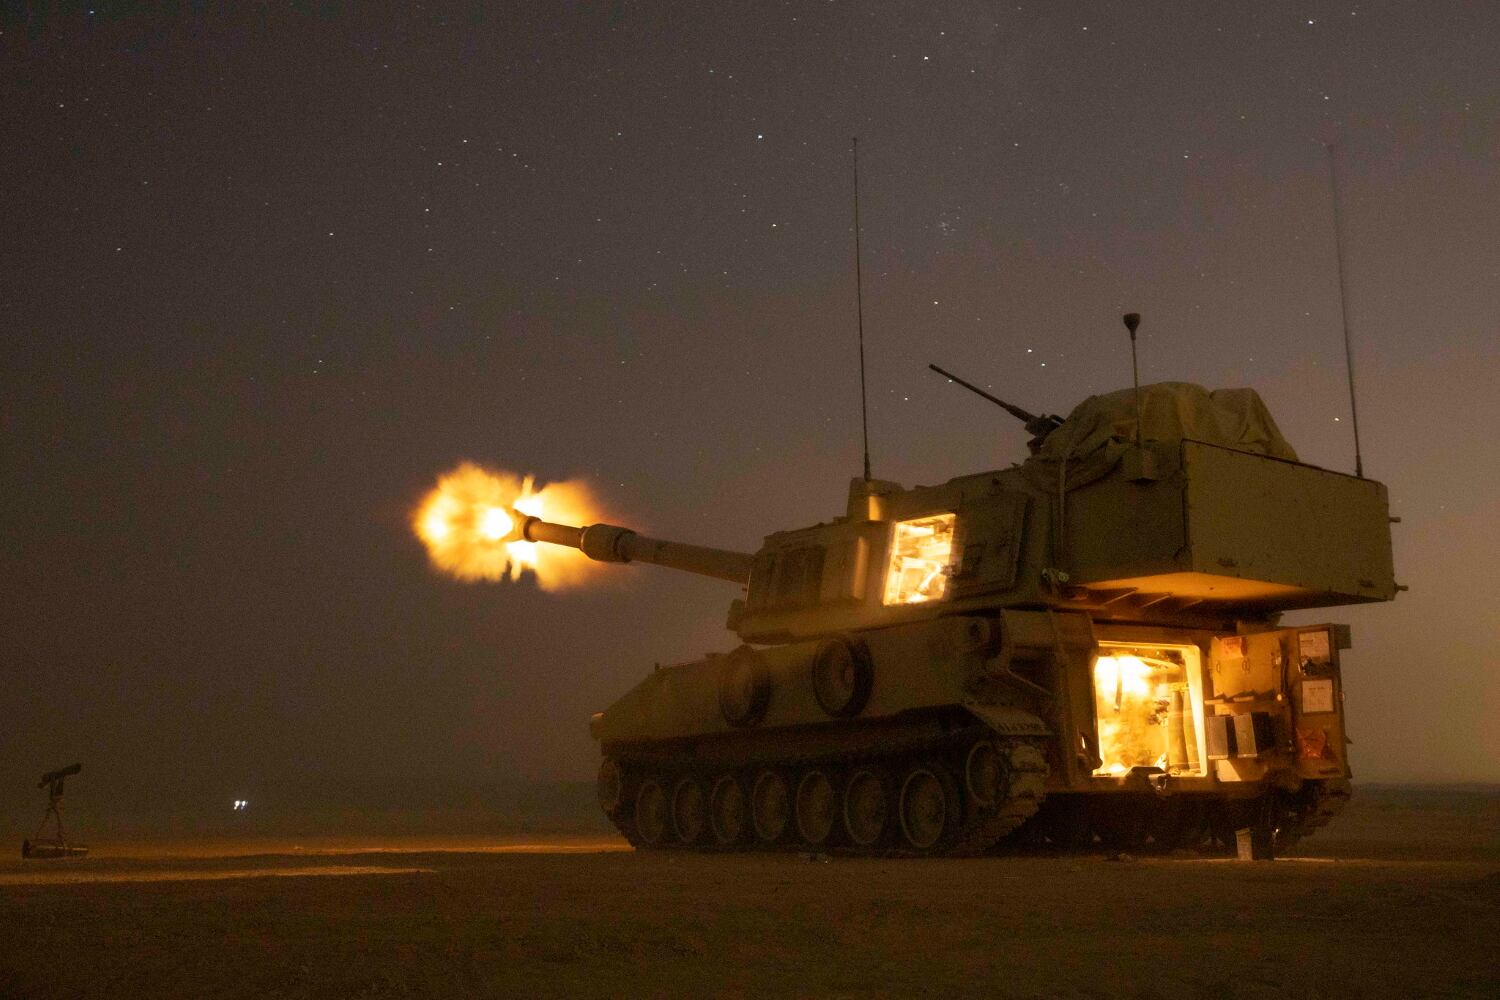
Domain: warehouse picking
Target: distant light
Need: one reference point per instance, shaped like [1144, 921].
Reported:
[240, 805]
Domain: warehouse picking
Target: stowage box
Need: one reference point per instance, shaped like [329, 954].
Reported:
[1226, 525]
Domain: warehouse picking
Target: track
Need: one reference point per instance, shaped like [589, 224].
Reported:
[966, 792]
[1201, 823]
[956, 795]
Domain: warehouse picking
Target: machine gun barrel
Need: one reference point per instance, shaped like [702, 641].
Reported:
[612, 543]
[1040, 426]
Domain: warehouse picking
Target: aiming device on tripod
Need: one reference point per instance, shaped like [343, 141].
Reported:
[42, 848]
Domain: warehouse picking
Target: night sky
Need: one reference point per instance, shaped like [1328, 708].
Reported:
[267, 273]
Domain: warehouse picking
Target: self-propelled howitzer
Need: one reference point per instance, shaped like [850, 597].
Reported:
[1085, 645]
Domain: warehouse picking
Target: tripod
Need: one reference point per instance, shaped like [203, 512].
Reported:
[53, 847]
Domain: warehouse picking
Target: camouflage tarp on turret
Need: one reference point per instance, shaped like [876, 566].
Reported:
[1090, 442]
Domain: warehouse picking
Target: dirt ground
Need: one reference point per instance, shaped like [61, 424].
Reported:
[1401, 898]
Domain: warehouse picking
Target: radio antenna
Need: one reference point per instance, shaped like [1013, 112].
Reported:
[859, 313]
[1132, 321]
[1338, 250]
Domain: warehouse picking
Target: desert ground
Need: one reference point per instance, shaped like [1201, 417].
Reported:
[1399, 898]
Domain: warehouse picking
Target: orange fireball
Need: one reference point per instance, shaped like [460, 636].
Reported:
[470, 523]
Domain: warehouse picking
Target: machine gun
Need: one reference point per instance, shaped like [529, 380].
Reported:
[1037, 426]
[40, 847]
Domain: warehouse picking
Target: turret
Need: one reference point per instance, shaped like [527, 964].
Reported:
[1167, 504]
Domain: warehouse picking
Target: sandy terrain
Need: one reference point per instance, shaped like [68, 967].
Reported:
[1401, 898]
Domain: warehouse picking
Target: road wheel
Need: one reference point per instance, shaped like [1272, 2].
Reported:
[689, 810]
[927, 807]
[770, 807]
[817, 807]
[727, 811]
[652, 816]
[984, 773]
[866, 808]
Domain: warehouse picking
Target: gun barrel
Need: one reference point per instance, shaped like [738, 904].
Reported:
[1013, 410]
[612, 543]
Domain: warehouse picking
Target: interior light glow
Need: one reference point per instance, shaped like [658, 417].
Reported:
[921, 555]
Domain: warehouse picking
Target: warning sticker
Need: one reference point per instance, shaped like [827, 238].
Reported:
[1314, 645]
[1317, 696]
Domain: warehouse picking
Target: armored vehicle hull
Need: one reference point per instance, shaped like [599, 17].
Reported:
[948, 736]
[1084, 646]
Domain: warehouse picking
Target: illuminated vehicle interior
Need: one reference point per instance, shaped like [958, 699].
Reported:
[921, 551]
[1149, 703]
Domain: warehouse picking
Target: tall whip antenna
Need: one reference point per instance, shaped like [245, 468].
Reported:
[1338, 249]
[859, 312]
[1132, 322]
